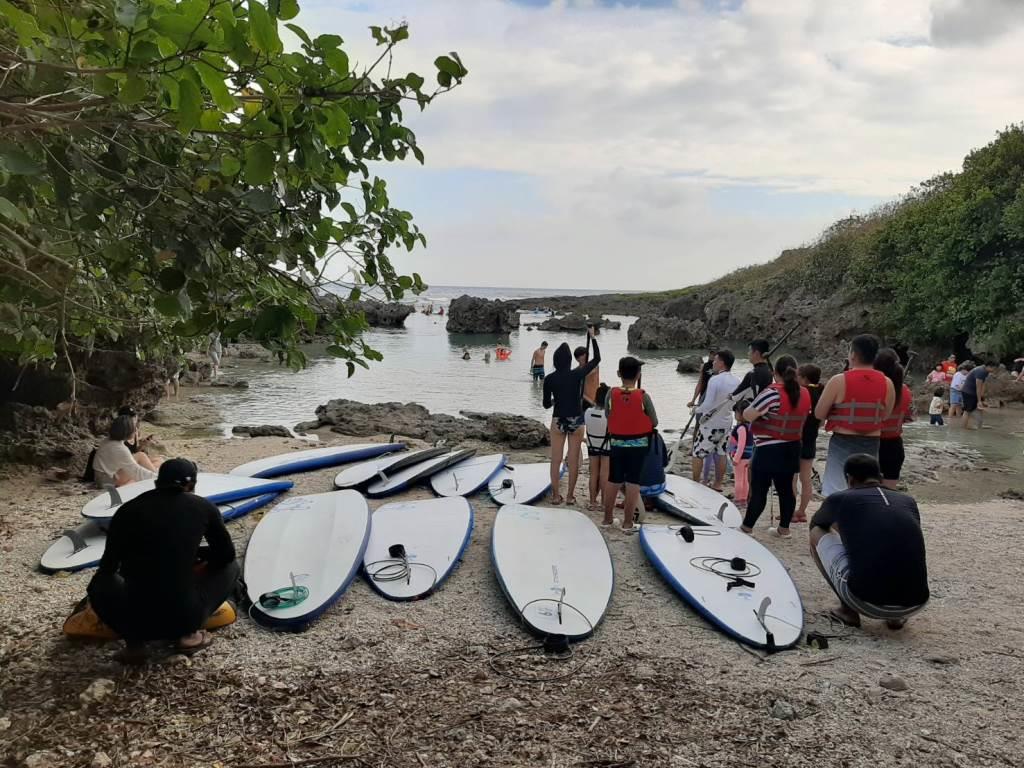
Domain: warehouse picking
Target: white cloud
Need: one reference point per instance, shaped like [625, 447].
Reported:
[614, 108]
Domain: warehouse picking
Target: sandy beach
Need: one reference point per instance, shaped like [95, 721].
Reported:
[374, 683]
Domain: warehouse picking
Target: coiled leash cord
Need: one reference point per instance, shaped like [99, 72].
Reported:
[397, 567]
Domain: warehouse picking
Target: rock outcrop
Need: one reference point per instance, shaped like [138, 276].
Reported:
[668, 333]
[264, 430]
[385, 315]
[690, 364]
[468, 314]
[577, 322]
[348, 417]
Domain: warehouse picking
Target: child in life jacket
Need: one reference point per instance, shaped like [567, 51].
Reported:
[741, 451]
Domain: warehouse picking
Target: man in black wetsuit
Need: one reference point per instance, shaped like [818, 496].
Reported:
[563, 390]
[155, 582]
[867, 542]
[760, 376]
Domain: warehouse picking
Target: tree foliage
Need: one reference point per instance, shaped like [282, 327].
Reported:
[169, 169]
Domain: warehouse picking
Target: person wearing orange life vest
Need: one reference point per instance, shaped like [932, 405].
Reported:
[890, 443]
[853, 406]
[631, 422]
[777, 417]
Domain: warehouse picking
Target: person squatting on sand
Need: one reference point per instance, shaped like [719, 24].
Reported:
[853, 406]
[712, 433]
[155, 581]
[867, 543]
[631, 422]
[777, 417]
[563, 392]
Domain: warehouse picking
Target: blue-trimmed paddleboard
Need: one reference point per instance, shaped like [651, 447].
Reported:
[554, 567]
[468, 476]
[685, 566]
[235, 509]
[314, 458]
[434, 535]
[313, 542]
[220, 489]
[697, 504]
[389, 484]
[521, 483]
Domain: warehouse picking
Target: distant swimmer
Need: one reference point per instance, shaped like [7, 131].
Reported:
[465, 354]
[537, 361]
[487, 357]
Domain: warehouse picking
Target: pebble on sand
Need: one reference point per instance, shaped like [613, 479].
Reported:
[893, 682]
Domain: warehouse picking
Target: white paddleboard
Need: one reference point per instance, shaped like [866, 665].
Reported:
[365, 472]
[467, 477]
[697, 504]
[216, 488]
[235, 509]
[398, 481]
[554, 567]
[315, 458]
[685, 565]
[77, 548]
[521, 483]
[314, 543]
[433, 535]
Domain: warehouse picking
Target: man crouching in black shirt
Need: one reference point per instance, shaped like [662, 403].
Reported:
[155, 581]
[868, 544]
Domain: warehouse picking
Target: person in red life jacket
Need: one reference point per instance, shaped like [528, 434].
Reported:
[809, 377]
[853, 406]
[890, 444]
[776, 417]
[631, 421]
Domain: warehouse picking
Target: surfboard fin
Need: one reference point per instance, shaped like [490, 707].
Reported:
[115, 497]
[77, 541]
[762, 613]
[721, 513]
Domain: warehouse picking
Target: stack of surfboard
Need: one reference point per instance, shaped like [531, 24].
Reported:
[451, 472]
[727, 576]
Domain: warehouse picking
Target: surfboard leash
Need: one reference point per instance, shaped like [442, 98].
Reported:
[397, 567]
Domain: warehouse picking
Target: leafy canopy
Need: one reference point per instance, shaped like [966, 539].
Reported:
[170, 169]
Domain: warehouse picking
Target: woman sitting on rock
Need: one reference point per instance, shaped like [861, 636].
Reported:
[114, 463]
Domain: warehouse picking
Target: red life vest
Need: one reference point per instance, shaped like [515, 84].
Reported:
[893, 426]
[863, 406]
[626, 417]
[788, 422]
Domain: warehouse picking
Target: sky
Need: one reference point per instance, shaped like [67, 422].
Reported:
[653, 144]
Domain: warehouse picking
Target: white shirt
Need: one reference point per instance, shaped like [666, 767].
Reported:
[958, 380]
[720, 387]
[113, 456]
[935, 407]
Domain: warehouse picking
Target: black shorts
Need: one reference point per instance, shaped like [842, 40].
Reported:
[627, 464]
[809, 446]
[970, 402]
[891, 457]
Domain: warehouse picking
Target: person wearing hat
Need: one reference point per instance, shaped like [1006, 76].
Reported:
[155, 581]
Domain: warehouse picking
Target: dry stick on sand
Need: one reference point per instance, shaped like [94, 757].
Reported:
[305, 761]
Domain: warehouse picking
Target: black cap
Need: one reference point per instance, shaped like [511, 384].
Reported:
[176, 472]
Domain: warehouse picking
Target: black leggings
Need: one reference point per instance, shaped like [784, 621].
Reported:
[776, 465]
[120, 611]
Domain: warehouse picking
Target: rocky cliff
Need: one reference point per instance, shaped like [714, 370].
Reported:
[468, 314]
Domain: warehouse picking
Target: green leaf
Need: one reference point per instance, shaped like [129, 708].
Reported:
[236, 328]
[288, 9]
[133, 90]
[190, 106]
[259, 164]
[17, 161]
[215, 84]
[262, 29]
[326, 42]
[300, 33]
[168, 305]
[171, 279]
[24, 24]
[273, 322]
[230, 166]
[126, 12]
[449, 65]
[174, 26]
[11, 211]
[337, 60]
[414, 81]
[351, 368]
[378, 35]
[398, 34]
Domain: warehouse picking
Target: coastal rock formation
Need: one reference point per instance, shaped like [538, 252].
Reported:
[468, 314]
[690, 364]
[577, 322]
[385, 315]
[668, 333]
[264, 430]
[348, 417]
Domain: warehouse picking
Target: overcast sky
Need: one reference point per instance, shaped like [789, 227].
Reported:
[658, 143]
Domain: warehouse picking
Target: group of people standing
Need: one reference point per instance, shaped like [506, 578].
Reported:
[966, 383]
[768, 424]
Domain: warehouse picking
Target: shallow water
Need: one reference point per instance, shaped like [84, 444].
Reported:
[424, 364]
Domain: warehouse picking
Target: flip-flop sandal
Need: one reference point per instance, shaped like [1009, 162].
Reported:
[571, 501]
[834, 614]
[556, 501]
[188, 650]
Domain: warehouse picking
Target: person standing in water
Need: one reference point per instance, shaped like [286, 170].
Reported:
[215, 351]
[890, 445]
[537, 362]
[974, 393]
[563, 392]
[853, 406]
[956, 393]
[777, 417]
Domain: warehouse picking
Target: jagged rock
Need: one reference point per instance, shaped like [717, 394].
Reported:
[245, 351]
[265, 430]
[230, 383]
[668, 333]
[381, 315]
[306, 426]
[783, 710]
[468, 314]
[576, 322]
[348, 417]
[690, 364]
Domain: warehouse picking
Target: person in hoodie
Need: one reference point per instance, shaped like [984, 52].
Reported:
[563, 393]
